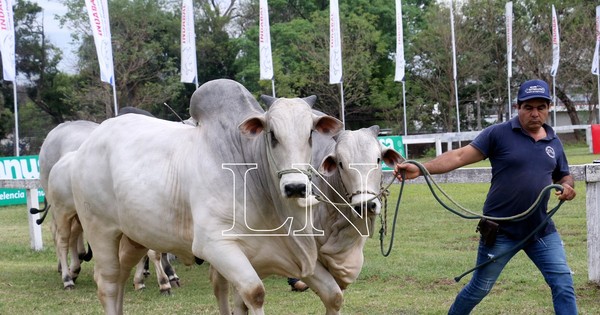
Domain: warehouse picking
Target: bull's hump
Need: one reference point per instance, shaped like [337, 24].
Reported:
[222, 100]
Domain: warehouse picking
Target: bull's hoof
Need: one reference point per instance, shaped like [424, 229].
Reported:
[174, 282]
[69, 287]
[166, 292]
[138, 287]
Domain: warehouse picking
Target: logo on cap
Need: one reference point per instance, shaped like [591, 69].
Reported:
[535, 89]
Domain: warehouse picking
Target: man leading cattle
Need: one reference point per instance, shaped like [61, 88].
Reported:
[526, 156]
[206, 191]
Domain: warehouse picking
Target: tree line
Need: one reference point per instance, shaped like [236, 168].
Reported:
[146, 50]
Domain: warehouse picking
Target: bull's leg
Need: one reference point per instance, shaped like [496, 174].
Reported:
[236, 268]
[221, 290]
[169, 270]
[163, 280]
[74, 238]
[105, 243]
[130, 254]
[138, 276]
[322, 283]
[239, 308]
[62, 235]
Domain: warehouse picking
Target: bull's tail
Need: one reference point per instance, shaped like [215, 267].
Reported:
[87, 256]
[36, 210]
[47, 207]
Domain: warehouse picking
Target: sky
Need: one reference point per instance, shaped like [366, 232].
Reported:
[61, 38]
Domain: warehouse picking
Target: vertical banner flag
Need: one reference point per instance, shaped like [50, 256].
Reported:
[509, 23]
[400, 62]
[7, 40]
[555, 43]
[189, 69]
[597, 50]
[335, 44]
[98, 13]
[264, 43]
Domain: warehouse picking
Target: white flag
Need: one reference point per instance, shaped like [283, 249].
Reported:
[509, 24]
[453, 42]
[400, 62]
[264, 43]
[597, 50]
[98, 13]
[7, 40]
[555, 43]
[189, 69]
[335, 44]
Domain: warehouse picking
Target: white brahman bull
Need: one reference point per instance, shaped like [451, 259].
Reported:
[64, 138]
[350, 165]
[66, 229]
[226, 191]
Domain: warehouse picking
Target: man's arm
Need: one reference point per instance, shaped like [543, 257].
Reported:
[444, 163]
[568, 184]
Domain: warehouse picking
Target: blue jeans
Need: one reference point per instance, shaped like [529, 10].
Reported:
[546, 253]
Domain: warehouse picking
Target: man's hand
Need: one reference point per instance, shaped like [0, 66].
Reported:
[568, 192]
[412, 171]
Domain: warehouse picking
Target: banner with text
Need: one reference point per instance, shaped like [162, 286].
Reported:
[18, 167]
[393, 142]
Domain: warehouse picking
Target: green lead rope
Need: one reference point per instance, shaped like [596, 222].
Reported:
[431, 183]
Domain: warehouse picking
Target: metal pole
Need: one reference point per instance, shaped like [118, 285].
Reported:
[273, 86]
[115, 98]
[554, 99]
[598, 117]
[405, 127]
[342, 114]
[509, 101]
[17, 149]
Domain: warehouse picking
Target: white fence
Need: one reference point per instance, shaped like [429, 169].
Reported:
[590, 173]
[450, 137]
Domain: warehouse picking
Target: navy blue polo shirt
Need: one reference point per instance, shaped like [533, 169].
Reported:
[521, 168]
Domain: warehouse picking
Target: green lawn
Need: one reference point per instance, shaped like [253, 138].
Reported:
[431, 247]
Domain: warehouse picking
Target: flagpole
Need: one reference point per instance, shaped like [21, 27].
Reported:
[273, 86]
[342, 106]
[114, 88]
[508, 21]
[598, 118]
[17, 149]
[404, 118]
[454, 69]
[554, 100]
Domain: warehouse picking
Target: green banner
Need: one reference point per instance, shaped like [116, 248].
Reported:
[18, 167]
[394, 142]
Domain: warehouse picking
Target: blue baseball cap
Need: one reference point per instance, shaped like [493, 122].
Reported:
[534, 89]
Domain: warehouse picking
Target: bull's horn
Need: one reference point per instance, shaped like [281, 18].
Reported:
[268, 100]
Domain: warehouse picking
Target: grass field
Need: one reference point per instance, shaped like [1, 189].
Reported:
[431, 247]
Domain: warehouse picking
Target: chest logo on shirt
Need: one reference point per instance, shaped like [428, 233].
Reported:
[550, 152]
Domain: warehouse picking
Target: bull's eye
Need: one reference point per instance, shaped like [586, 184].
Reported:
[378, 161]
[274, 141]
[310, 140]
[341, 166]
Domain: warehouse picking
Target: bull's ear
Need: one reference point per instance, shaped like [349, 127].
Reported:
[328, 166]
[268, 100]
[252, 126]
[391, 157]
[374, 130]
[327, 125]
[310, 100]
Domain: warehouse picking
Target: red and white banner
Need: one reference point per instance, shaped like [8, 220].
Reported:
[400, 62]
[7, 40]
[189, 69]
[98, 13]
[264, 42]
[597, 50]
[335, 44]
[509, 25]
[555, 44]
